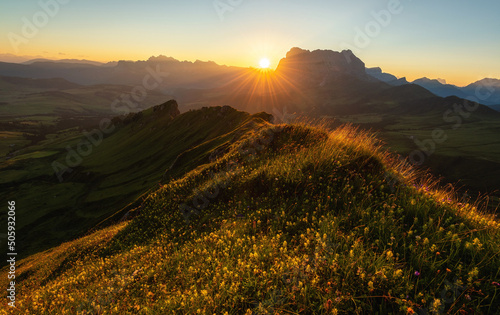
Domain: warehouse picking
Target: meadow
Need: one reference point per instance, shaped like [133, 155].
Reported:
[110, 181]
[467, 156]
[288, 219]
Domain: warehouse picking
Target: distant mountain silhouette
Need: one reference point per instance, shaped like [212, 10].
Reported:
[385, 77]
[487, 90]
[486, 82]
[174, 73]
[320, 64]
[319, 83]
[304, 81]
[439, 88]
[79, 61]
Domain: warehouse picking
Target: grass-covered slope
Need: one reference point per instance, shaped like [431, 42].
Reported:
[287, 219]
[113, 173]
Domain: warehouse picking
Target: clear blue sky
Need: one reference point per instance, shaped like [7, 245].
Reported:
[456, 40]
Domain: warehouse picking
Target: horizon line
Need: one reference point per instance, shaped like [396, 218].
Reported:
[102, 62]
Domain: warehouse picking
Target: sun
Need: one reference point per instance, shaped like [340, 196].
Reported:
[264, 63]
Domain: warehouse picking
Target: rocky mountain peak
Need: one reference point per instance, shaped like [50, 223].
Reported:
[321, 63]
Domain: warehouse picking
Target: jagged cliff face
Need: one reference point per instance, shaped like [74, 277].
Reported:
[320, 64]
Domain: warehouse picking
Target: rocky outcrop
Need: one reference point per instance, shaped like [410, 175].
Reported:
[319, 63]
[170, 108]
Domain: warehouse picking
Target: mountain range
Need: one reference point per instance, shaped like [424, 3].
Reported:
[175, 73]
[204, 75]
[320, 83]
[486, 91]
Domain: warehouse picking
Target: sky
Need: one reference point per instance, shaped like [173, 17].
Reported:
[455, 40]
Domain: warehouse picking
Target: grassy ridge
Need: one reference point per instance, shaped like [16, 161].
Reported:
[469, 155]
[128, 162]
[289, 219]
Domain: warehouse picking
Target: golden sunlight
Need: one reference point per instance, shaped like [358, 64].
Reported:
[264, 63]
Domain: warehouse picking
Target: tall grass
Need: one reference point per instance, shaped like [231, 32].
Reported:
[314, 222]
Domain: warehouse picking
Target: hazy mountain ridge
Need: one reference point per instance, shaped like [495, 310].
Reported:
[486, 90]
[316, 66]
[319, 83]
[176, 73]
[378, 74]
[71, 61]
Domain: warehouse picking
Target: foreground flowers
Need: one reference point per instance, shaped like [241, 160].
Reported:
[347, 243]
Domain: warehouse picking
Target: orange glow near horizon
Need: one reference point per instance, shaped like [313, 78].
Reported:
[459, 76]
[262, 89]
